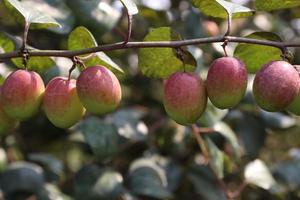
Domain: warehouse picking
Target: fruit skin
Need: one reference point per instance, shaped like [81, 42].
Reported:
[99, 90]
[276, 85]
[226, 82]
[294, 107]
[184, 97]
[7, 123]
[61, 102]
[22, 94]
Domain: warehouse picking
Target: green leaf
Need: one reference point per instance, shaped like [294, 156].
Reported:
[130, 6]
[101, 137]
[276, 4]
[26, 11]
[38, 64]
[81, 38]
[205, 182]
[230, 136]
[129, 124]
[217, 158]
[50, 192]
[148, 179]
[108, 186]
[221, 8]
[26, 177]
[162, 62]
[255, 56]
[6, 44]
[212, 115]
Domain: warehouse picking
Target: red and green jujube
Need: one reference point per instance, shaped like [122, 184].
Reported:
[226, 82]
[61, 102]
[184, 97]
[99, 90]
[294, 107]
[22, 94]
[276, 85]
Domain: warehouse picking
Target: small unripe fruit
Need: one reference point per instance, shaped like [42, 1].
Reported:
[184, 97]
[61, 102]
[99, 90]
[22, 94]
[7, 123]
[294, 107]
[226, 82]
[276, 85]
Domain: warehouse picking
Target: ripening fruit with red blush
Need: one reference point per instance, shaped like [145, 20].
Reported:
[61, 102]
[294, 107]
[22, 94]
[99, 90]
[184, 97]
[7, 124]
[276, 85]
[226, 82]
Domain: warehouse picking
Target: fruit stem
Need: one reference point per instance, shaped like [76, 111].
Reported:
[24, 52]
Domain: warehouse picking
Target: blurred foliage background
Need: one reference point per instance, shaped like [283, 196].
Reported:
[138, 152]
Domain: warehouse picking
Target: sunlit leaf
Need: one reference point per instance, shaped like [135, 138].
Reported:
[81, 38]
[276, 4]
[221, 8]
[257, 173]
[255, 56]
[130, 6]
[162, 62]
[28, 13]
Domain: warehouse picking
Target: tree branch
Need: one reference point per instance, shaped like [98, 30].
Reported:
[132, 45]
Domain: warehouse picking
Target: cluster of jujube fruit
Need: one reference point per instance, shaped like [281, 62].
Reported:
[275, 88]
[64, 100]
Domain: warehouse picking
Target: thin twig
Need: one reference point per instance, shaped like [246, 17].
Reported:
[206, 155]
[158, 44]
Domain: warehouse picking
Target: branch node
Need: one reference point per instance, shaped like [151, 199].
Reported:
[25, 57]
[224, 45]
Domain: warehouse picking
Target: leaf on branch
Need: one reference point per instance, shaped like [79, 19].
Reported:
[130, 6]
[276, 4]
[26, 12]
[38, 64]
[162, 62]
[81, 38]
[221, 8]
[255, 56]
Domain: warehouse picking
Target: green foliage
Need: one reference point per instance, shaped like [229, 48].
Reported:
[25, 12]
[81, 38]
[222, 8]
[162, 62]
[100, 136]
[255, 56]
[275, 4]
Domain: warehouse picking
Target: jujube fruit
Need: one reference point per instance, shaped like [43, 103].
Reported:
[276, 85]
[7, 123]
[226, 82]
[99, 90]
[294, 107]
[22, 94]
[61, 102]
[184, 97]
